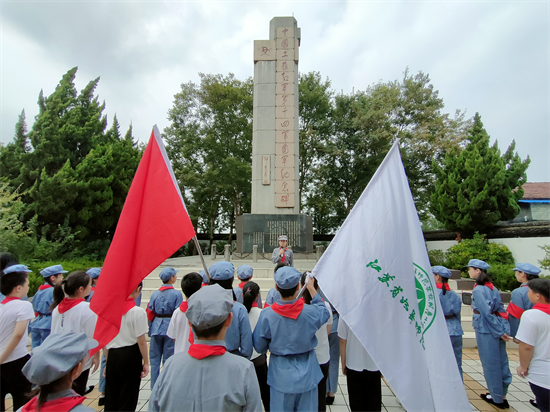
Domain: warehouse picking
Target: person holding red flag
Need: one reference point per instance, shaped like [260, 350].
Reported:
[287, 329]
[207, 377]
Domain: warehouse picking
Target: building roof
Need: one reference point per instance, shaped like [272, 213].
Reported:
[536, 191]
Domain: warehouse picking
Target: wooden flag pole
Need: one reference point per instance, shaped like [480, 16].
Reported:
[198, 246]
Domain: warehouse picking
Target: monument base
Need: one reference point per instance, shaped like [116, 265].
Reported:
[264, 230]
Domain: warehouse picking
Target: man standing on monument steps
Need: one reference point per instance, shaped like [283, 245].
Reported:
[283, 254]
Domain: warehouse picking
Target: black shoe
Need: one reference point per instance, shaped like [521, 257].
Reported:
[330, 400]
[89, 389]
[533, 402]
[101, 401]
[487, 398]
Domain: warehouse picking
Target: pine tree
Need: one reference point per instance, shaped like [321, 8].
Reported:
[477, 187]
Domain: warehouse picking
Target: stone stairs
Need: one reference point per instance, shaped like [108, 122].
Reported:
[263, 276]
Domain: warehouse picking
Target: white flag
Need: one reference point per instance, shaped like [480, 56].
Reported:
[376, 272]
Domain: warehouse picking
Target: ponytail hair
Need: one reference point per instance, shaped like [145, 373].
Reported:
[444, 281]
[43, 391]
[251, 290]
[531, 277]
[69, 286]
[483, 278]
[306, 295]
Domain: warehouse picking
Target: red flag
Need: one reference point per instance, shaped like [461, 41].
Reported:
[153, 224]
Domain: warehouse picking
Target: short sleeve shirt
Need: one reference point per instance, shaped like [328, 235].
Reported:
[179, 330]
[11, 313]
[132, 326]
[357, 358]
[322, 350]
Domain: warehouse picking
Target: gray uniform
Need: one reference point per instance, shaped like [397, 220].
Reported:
[68, 393]
[289, 256]
[216, 383]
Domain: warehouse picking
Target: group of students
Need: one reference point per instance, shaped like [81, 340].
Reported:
[526, 321]
[197, 335]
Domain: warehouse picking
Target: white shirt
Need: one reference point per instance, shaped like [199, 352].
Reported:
[79, 318]
[322, 350]
[132, 326]
[11, 313]
[357, 358]
[534, 330]
[253, 317]
[179, 330]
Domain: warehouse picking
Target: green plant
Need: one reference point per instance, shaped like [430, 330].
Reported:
[503, 276]
[437, 257]
[545, 262]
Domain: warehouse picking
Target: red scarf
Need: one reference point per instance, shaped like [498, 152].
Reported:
[488, 284]
[129, 304]
[545, 307]
[440, 286]
[200, 351]
[283, 258]
[241, 285]
[183, 308]
[45, 286]
[291, 311]
[254, 304]
[57, 405]
[515, 310]
[68, 303]
[266, 305]
[166, 288]
[8, 299]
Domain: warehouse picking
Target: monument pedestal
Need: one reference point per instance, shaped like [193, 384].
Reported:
[264, 230]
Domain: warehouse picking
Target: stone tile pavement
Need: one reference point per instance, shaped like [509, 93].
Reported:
[518, 396]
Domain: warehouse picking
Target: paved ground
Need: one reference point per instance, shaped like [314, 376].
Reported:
[474, 383]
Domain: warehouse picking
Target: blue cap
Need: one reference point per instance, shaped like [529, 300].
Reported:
[167, 273]
[16, 268]
[57, 356]
[209, 306]
[287, 277]
[527, 268]
[244, 272]
[441, 271]
[203, 276]
[479, 264]
[52, 271]
[93, 272]
[222, 271]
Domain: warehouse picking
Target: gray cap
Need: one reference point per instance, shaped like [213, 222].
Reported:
[52, 270]
[93, 272]
[442, 271]
[479, 264]
[57, 356]
[222, 271]
[283, 237]
[527, 268]
[287, 277]
[209, 306]
[245, 272]
[167, 273]
[16, 268]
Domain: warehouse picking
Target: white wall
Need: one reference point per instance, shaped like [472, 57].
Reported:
[524, 249]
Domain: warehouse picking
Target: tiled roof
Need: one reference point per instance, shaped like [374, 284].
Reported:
[535, 191]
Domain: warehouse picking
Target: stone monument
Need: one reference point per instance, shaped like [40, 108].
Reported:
[275, 146]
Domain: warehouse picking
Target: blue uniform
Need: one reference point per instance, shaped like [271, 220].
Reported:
[489, 327]
[162, 304]
[519, 303]
[238, 338]
[42, 325]
[293, 372]
[451, 304]
[272, 296]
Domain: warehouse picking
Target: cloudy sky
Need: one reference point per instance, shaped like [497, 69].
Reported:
[490, 57]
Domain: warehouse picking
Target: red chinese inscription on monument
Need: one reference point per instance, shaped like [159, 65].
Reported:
[265, 51]
[285, 198]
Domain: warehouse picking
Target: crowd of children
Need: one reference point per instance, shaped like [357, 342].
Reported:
[214, 341]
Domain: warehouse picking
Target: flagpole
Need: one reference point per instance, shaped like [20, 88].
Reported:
[202, 257]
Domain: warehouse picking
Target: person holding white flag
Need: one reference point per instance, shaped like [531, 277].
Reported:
[377, 275]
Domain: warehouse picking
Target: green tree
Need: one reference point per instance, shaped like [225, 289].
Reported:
[477, 187]
[11, 155]
[209, 142]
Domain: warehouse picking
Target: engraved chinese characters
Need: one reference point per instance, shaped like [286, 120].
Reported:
[285, 122]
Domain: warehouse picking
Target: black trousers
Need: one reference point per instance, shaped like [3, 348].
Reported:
[322, 387]
[365, 390]
[81, 383]
[542, 397]
[260, 364]
[14, 382]
[122, 378]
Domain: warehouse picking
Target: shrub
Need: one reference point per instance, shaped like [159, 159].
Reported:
[545, 262]
[437, 257]
[503, 276]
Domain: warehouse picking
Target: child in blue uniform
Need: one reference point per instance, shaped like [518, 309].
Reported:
[520, 301]
[245, 274]
[93, 273]
[451, 304]
[43, 298]
[238, 338]
[161, 306]
[287, 329]
[490, 322]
